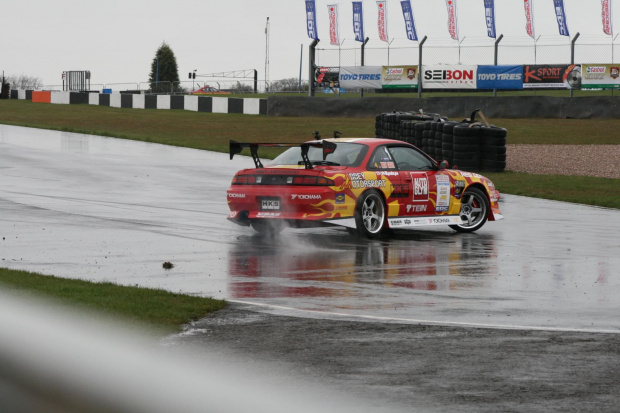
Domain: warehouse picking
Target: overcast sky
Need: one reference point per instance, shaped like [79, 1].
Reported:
[117, 40]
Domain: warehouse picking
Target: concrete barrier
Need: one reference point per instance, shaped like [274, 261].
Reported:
[190, 103]
[163, 102]
[208, 104]
[220, 105]
[138, 101]
[115, 100]
[93, 98]
[517, 107]
[42, 97]
[62, 98]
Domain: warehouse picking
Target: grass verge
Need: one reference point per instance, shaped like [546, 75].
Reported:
[585, 190]
[158, 309]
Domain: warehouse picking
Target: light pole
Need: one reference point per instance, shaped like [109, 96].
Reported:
[267, 56]
[194, 78]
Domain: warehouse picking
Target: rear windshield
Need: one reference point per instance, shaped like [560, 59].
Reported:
[346, 154]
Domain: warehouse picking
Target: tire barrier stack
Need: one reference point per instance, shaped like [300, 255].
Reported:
[467, 145]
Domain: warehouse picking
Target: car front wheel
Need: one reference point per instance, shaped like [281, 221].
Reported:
[370, 214]
[474, 210]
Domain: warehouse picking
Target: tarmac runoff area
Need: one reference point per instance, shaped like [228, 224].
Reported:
[521, 316]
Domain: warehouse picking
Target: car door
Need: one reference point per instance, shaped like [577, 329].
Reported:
[429, 188]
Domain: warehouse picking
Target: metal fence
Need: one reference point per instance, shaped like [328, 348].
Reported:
[474, 51]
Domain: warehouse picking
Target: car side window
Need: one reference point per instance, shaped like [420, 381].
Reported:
[408, 159]
[381, 159]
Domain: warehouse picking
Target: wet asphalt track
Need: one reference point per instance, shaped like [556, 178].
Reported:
[104, 209]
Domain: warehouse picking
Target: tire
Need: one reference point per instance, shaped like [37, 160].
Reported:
[475, 209]
[466, 140]
[370, 214]
[448, 127]
[493, 141]
[463, 130]
[489, 164]
[493, 157]
[268, 227]
[493, 132]
[458, 147]
[493, 150]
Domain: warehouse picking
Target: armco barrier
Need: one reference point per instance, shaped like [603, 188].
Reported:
[518, 107]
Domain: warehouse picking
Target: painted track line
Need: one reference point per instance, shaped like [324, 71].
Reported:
[427, 322]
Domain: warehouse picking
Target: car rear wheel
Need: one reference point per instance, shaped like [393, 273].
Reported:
[370, 214]
[474, 210]
[267, 226]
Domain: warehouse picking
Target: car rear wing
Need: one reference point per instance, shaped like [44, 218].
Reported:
[328, 147]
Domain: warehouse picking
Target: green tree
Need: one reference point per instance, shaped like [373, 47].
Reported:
[164, 70]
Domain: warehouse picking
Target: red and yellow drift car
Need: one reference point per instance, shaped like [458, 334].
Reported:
[364, 184]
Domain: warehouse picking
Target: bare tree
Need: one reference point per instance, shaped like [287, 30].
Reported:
[24, 82]
[288, 85]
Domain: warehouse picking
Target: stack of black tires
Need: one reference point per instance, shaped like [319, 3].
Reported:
[399, 125]
[467, 145]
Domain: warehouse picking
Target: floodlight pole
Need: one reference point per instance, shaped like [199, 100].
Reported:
[420, 67]
[572, 55]
[311, 67]
[499, 39]
[363, 47]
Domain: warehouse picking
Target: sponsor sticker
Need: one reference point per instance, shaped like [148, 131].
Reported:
[233, 195]
[340, 198]
[270, 204]
[267, 214]
[305, 196]
[420, 187]
[416, 208]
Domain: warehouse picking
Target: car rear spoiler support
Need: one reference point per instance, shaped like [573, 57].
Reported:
[236, 147]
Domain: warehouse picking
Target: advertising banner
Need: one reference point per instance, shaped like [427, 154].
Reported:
[358, 21]
[560, 15]
[449, 77]
[599, 76]
[606, 14]
[400, 77]
[382, 20]
[409, 23]
[327, 77]
[452, 24]
[357, 77]
[552, 76]
[489, 15]
[529, 18]
[332, 9]
[500, 77]
[311, 19]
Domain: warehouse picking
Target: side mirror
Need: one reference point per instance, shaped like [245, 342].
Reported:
[444, 164]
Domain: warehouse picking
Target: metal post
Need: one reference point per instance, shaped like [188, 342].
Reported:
[311, 53]
[255, 81]
[572, 56]
[420, 67]
[499, 39]
[363, 47]
[301, 58]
